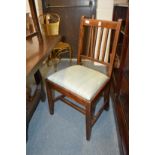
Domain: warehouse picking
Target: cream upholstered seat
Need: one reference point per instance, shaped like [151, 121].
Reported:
[80, 86]
[77, 79]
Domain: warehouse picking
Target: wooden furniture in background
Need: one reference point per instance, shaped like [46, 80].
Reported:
[50, 23]
[70, 12]
[120, 80]
[82, 84]
[35, 21]
[38, 48]
[36, 53]
[56, 53]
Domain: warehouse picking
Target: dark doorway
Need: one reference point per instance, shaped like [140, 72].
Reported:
[70, 12]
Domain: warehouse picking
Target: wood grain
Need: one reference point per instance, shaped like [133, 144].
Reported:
[37, 51]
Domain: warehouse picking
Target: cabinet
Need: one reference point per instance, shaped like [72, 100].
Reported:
[120, 79]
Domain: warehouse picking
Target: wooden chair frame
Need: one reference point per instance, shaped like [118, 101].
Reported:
[88, 105]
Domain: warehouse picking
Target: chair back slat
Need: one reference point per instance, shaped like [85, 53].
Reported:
[104, 43]
[91, 41]
[98, 42]
[107, 50]
[96, 36]
[88, 42]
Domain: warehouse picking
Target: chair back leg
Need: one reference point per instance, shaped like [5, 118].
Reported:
[89, 116]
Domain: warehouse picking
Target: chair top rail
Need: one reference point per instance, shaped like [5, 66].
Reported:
[101, 23]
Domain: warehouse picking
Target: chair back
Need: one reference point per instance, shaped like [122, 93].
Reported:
[96, 42]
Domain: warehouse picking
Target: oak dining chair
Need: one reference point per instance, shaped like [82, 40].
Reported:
[82, 84]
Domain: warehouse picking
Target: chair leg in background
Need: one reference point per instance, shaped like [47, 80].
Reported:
[50, 97]
[106, 97]
[39, 80]
[55, 67]
[70, 55]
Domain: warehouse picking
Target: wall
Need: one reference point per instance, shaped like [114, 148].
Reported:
[104, 9]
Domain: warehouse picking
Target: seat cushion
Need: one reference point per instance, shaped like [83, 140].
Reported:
[80, 80]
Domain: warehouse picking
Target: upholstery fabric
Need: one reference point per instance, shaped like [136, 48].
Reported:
[79, 79]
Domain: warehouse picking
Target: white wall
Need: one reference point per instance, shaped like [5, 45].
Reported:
[104, 9]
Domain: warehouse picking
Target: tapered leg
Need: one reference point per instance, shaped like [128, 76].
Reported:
[55, 66]
[50, 98]
[88, 121]
[106, 97]
[39, 80]
[70, 55]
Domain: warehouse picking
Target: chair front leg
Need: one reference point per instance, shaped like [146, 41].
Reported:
[50, 98]
[88, 121]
